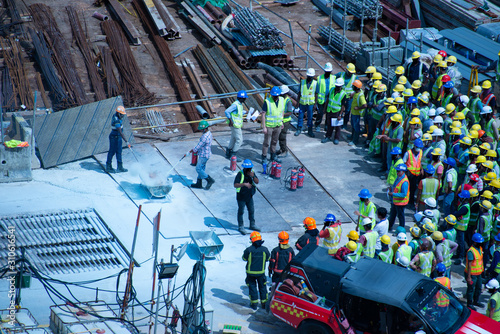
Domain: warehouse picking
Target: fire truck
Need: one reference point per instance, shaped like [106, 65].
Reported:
[318, 294]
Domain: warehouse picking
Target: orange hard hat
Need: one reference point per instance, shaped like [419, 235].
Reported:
[480, 133]
[357, 84]
[120, 110]
[283, 237]
[255, 236]
[309, 223]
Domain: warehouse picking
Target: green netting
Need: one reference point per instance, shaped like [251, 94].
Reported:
[216, 3]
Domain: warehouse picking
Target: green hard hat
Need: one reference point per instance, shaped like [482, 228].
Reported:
[203, 125]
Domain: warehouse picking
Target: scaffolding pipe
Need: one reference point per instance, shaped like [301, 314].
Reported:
[307, 53]
[406, 44]
[362, 24]
[344, 28]
[331, 20]
[308, 45]
[291, 35]
[375, 31]
[388, 63]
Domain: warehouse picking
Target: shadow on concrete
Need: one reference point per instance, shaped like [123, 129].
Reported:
[135, 190]
[92, 165]
[184, 180]
[217, 150]
[234, 301]
[217, 222]
[363, 168]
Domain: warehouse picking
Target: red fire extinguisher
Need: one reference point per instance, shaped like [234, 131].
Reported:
[293, 180]
[300, 178]
[232, 166]
[194, 158]
[273, 169]
[277, 171]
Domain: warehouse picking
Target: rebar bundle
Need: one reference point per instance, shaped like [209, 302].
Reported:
[111, 82]
[372, 8]
[8, 96]
[135, 92]
[88, 55]
[61, 54]
[258, 30]
[339, 43]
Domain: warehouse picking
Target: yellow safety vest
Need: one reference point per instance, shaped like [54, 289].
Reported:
[274, 113]
[426, 262]
[307, 93]
[371, 241]
[323, 90]
[242, 177]
[237, 115]
[288, 118]
[496, 311]
[386, 256]
[405, 251]
[333, 239]
[365, 210]
[463, 223]
[335, 101]
[430, 187]
[348, 84]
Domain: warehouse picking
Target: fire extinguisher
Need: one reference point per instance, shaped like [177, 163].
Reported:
[194, 158]
[232, 166]
[277, 171]
[300, 178]
[273, 169]
[293, 180]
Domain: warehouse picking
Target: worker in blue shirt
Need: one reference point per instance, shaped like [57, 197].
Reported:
[115, 141]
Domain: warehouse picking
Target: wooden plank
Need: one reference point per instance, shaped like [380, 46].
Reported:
[130, 30]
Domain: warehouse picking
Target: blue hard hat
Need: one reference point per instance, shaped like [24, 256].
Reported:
[476, 237]
[247, 163]
[330, 218]
[364, 193]
[401, 168]
[412, 100]
[242, 94]
[464, 194]
[275, 91]
[449, 84]
[450, 161]
[396, 150]
[418, 143]
[430, 169]
[440, 268]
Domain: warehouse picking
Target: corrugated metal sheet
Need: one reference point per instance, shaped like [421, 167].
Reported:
[77, 133]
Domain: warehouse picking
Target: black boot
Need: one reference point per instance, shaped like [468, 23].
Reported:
[210, 181]
[275, 158]
[253, 227]
[241, 229]
[120, 168]
[109, 168]
[228, 153]
[197, 184]
[310, 132]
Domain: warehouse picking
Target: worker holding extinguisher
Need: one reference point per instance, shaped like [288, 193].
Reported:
[245, 183]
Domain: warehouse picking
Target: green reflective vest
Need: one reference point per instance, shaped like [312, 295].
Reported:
[475, 108]
[366, 210]
[237, 115]
[242, 177]
[386, 256]
[348, 85]
[464, 222]
[425, 264]
[323, 89]
[488, 224]
[446, 100]
[446, 253]
[454, 175]
[274, 113]
[404, 250]
[287, 118]
[496, 298]
[335, 101]
[307, 93]
[489, 129]
[430, 187]
[393, 174]
[371, 241]
[437, 85]
[355, 256]
[451, 234]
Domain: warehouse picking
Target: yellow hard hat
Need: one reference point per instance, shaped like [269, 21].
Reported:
[400, 70]
[491, 154]
[436, 235]
[353, 235]
[485, 204]
[416, 84]
[415, 112]
[426, 137]
[426, 93]
[370, 69]
[473, 150]
[473, 192]
[476, 89]
[455, 132]
[488, 164]
[495, 184]
[442, 64]
[120, 110]
[473, 134]
[486, 84]
[402, 80]
[408, 92]
[437, 151]
[415, 120]
[490, 176]
[451, 219]
[351, 68]
[352, 246]
[456, 124]
[429, 226]
[385, 239]
[424, 98]
[399, 88]
[381, 88]
[399, 100]
[389, 101]
[432, 128]
[376, 83]
[377, 76]
[459, 116]
[415, 55]
[398, 118]
[451, 59]
[392, 110]
[480, 159]
[450, 107]
[438, 58]
[485, 146]
[476, 127]
[466, 141]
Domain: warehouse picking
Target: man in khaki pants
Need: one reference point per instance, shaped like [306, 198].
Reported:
[272, 122]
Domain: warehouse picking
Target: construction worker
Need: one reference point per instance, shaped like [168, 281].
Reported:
[256, 257]
[348, 253]
[381, 227]
[394, 138]
[463, 216]
[413, 161]
[487, 97]
[245, 183]
[473, 271]
[366, 209]
[287, 117]
[386, 253]
[311, 234]
[450, 233]
[494, 268]
[115, 141]
[335, 103]
[484, 226]
[376, 109]
[433, 71]
[444, 250]
[403, 262]
[331, 233]
[436, 92]
[416, 70]
[427, 188]
[403, 248]
[416, 86]
[400, 71]
[475, 105]
[358, 106]
[442, 300]
[462, 158]
[493, 66]
[280, 257]
[307, 98]
[449, 184]
[426, 125]
[349, 77]
[431, 205]
[204, 151]
[493, 307]
[272, 122]
[449, 93]
[234, 115]
[416, 240]
[326, 82]
[427, 149]
[396, 160]
[489, 124]
[399, 192]
[424, 262]
[369, 239]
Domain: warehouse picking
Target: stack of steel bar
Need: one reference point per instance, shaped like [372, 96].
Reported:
[371, 8]
[258, 30]
[340, 43]
[14, 62]
[225, 75]
[172, 28]
[88, 55]
[250, 57]
[169, 63]
[61, 53]
[110, 81]
[8, 96]
[134, 89]
[16, 20]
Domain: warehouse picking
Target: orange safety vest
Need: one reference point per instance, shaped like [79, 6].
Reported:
[442, 299]
[414, 163]
[397, 189]
[476, 267]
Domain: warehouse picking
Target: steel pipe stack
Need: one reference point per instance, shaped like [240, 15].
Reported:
[372, 8]
[336, 39]
[259, 31]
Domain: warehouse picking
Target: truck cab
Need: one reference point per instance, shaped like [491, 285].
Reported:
[318, 294]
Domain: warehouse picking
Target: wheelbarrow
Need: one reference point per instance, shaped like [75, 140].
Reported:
[207, 242]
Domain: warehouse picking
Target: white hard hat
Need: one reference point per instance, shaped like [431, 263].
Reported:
[486, 110]
[395, 94]
[428, 215]
[492, 284]
[464, 99]
[432, 112]
[328, 67]
[472, 168]
[284, 89]
[430, 202]
[438, 119]
[420, 332]
[440, 110]
[437, 132]
[403, 260]
[310, 72]
[339, 82]
[418, 216]
[401, 237]
[366, 221]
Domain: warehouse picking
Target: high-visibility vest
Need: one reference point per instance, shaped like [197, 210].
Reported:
[488, 224]
[462, 169]
[237, 115]
[496, 311]
[323, 90]
[446, 253]
[404, 250]
[371, 241]
[348, 85]
[365, 210]
[497, 268]
[451, 234]
[486, 100]
[333, 239]
[394, 136]
[274, 113]
[393, 175]
[476, 266]
[442, 300]
[387, 255]
[446, 100]
[425, 259]
[356, 255]
[436, 165]
[414, 163]
[242, 177]
[397, 189]
[307, 93]
[377, 114]
[430, 187]
[489, 129]
[475, 109]
[437, 85]
[454, 176]
[335, 101]
[474, 216]
[464, 222]
[287, 118]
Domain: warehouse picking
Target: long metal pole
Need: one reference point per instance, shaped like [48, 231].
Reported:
[157, 304]
[406, 44]
[362, 24]
[344, 28]
[374, 40]
[33, 126]
[388, 62]
[155, 247]
[291, 35]
[331, 21]
[308, 45]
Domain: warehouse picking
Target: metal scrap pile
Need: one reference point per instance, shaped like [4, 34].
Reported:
[258, 30]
